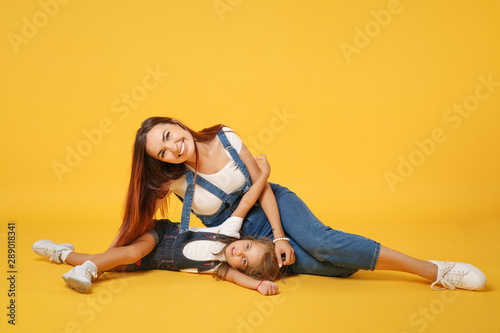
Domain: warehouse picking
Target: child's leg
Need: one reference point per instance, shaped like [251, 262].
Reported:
[75, 258]
[88, 266]
[396, 261]
[116, 256]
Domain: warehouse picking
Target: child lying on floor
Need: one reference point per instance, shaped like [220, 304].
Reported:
[248, 262]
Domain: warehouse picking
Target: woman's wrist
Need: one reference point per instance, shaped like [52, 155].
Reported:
[277, 232]
[281, 239]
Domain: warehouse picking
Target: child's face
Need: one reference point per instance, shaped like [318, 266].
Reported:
[243, 254]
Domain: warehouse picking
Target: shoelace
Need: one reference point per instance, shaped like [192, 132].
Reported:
[82, 270]
[448, 278]
[51, 253]
[89, 272]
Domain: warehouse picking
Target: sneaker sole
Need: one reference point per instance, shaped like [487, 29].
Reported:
[75, 283]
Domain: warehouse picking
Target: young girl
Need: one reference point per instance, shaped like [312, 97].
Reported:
[247, 262]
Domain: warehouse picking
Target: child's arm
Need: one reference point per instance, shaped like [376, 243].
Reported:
[263, 287]
[252, 195]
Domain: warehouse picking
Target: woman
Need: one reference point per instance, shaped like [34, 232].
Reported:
[211, 169]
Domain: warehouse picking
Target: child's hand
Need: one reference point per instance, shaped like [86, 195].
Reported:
[268, 288]
[263, 164]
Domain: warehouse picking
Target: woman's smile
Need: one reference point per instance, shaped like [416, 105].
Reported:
[183, 148]
[170, 143]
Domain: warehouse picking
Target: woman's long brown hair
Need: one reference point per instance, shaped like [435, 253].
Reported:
[150, 180]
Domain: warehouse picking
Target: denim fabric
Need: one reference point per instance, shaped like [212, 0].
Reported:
[164, 234]
[229, 200]
[319, 249]
[168, 251]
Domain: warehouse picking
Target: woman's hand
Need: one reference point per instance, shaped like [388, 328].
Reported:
[263, 164]
[282, 247]
[267, 288]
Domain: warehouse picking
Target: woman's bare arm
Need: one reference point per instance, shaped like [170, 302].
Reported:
[270, 207]
[252, 195]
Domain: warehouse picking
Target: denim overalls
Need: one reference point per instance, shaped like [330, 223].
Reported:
[168, 251]
[229, 201]
[319, 249]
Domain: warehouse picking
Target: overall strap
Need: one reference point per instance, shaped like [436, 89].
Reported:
[225, 197]
[194, 236]
[227, 145]
[210, 187]
[211, 264]
[187, 202]
[189, 237]
[188, 197]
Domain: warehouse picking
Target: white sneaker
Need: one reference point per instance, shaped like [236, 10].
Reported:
[80, 277]
[453, 275]
[47, 248]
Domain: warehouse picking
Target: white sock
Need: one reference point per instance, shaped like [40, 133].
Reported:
[64, 254]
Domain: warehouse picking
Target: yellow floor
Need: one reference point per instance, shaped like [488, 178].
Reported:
[383, 115]
[158, 301]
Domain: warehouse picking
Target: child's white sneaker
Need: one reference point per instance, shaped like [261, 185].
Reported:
[53, 251]
[453, 275]
[80, 277]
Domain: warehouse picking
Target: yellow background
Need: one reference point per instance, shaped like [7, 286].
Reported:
[335, 93]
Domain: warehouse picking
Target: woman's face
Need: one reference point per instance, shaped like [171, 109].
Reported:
[170, 143]
[243, 254]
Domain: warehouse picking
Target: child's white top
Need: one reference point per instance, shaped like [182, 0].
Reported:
[205, 249]
[228, 179]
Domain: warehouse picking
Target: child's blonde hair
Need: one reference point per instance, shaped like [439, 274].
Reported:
[267, 270]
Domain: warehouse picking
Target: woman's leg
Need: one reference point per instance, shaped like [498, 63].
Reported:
[392, 260]
[116, 256]
[305, 263]
[354, 251]
[339, 248]
[449, 274]
[321, 242]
